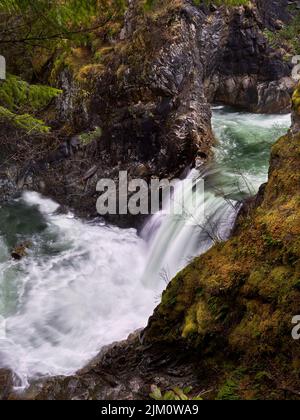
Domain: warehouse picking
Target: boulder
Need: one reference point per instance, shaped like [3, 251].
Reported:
[20, 251]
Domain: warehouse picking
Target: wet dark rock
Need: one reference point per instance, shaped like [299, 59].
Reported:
[6, 383]
[124, 370]
[20, 251]
[250, 74]
[274, 12]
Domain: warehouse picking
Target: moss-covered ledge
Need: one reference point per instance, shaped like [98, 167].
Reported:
[240, 297]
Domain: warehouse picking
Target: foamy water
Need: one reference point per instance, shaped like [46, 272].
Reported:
[69, 300]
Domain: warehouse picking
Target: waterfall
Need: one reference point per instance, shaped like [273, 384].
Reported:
[240, 167]
[174, 240]
[85, 284]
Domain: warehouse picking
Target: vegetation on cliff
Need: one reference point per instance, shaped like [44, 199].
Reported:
[235, 304]
[32, 37]
[44, 23]
[288, 37]
[20, 101]
[296, 101]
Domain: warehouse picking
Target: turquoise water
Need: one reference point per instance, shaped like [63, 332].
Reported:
[245, 142]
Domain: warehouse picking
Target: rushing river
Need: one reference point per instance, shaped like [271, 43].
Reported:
[85, 285]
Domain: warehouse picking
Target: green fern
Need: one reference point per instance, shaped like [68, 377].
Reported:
[24, 122]
[176, 394]
[18, 95]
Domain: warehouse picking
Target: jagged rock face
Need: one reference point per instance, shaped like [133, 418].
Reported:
[6, 383]
[152, 96]
[161, 116]
[122, 371]
[149, 102]
[249, 73]
[273, 12]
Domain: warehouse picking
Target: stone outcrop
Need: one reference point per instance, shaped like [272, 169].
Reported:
[249, 73]
[6, 383]
[274, 12]
[20, 251]
[122, 371]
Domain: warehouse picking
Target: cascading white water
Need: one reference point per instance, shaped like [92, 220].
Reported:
[85, 285]
[240, 167]
[174, 240]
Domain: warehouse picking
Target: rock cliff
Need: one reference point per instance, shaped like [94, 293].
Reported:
[149, 87]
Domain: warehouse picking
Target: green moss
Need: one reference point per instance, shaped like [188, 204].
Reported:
[87, 138]
[296, 100]
[20, 101]
[175, 394]
[190, 326]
